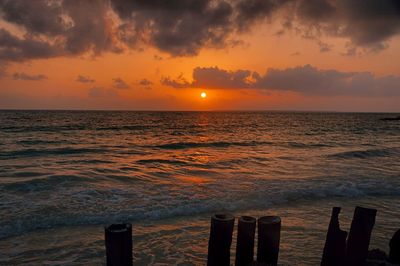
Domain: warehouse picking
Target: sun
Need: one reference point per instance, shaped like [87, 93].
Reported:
[203, 95]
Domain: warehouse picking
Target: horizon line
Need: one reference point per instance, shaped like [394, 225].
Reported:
[198, 111]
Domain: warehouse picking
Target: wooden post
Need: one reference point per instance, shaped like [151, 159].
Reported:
[269, 234]
[245, 241]
[219, 245]
[360, 236]
[394, 244]
[118, 244]
[335, 244]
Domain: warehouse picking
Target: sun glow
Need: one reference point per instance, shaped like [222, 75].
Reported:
[203, 95]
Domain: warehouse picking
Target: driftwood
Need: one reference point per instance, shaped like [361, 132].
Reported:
[220, 241]
[335, 244]
[269, 234]
[360, 236]
[118, 240]
[245, 241]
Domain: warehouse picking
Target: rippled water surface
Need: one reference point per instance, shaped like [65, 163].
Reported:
[65, 174]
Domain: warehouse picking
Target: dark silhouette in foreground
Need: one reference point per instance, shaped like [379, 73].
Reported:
[335, 244]
[337, 251]
[394, 254]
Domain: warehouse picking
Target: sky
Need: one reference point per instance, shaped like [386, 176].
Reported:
[311, 55]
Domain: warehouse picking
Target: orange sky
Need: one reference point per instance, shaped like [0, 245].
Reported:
[260, 49]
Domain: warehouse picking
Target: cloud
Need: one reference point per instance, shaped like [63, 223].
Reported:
[24, 76]
[120, 84]
[98, 92]
[84, 79]
[306, 80]
[145, 82]
[56, 28]
[13, 48]
[184, 27]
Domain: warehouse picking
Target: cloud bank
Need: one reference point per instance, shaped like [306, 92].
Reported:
[54, 28]
[306, 80]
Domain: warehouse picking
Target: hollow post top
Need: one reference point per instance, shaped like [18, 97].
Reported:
[118, 228]
[223, 217]
[269, 220]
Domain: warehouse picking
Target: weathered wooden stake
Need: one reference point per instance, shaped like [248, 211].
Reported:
[360, 236]
[245, 241]
[118, 244]
[269, 235]
[335, 244]
[219, 245]
[394, 244]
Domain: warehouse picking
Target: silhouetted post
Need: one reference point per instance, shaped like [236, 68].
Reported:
[118, 244]
[335, 244]
[394, 244]
[360, 236]
[219, 244]
[269, 235]
[245, 241]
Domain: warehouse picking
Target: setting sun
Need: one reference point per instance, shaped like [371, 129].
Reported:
[203, 95]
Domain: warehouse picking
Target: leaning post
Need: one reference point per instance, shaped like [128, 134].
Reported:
[360, 236]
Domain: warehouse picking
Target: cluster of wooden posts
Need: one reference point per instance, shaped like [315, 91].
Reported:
[219, 245]
[340, 248]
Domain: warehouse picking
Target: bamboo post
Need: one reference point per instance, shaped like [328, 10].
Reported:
[360, 236]
[394, 244]
[118, 240]
[335, 244]
[220, 241]
[269, 234]
[245, 241]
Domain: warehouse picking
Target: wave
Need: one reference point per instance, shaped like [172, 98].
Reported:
[52, 128]
[40, 142]
[43, 184]
[126, 127]
[161, 161]
[216, 144]
[52, 217]
[48, 152]
[370, 153]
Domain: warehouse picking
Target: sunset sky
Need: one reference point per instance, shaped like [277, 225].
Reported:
[331, 55]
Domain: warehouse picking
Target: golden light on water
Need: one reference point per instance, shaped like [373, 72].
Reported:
[203, 95]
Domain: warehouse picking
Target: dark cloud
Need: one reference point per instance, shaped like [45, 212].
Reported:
[120, 84]
[367, 23]
[13, 48]
[178, 27]
[84, 79]
[24, 76]
[145, 82]
[56, 28]
[177, 83]
[304, 79]
[183, 27]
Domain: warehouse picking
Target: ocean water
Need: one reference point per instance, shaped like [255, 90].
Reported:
[66, 174]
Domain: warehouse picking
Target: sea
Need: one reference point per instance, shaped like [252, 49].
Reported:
[64, 175]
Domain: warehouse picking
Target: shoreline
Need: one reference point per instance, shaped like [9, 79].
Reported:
[185, 238]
